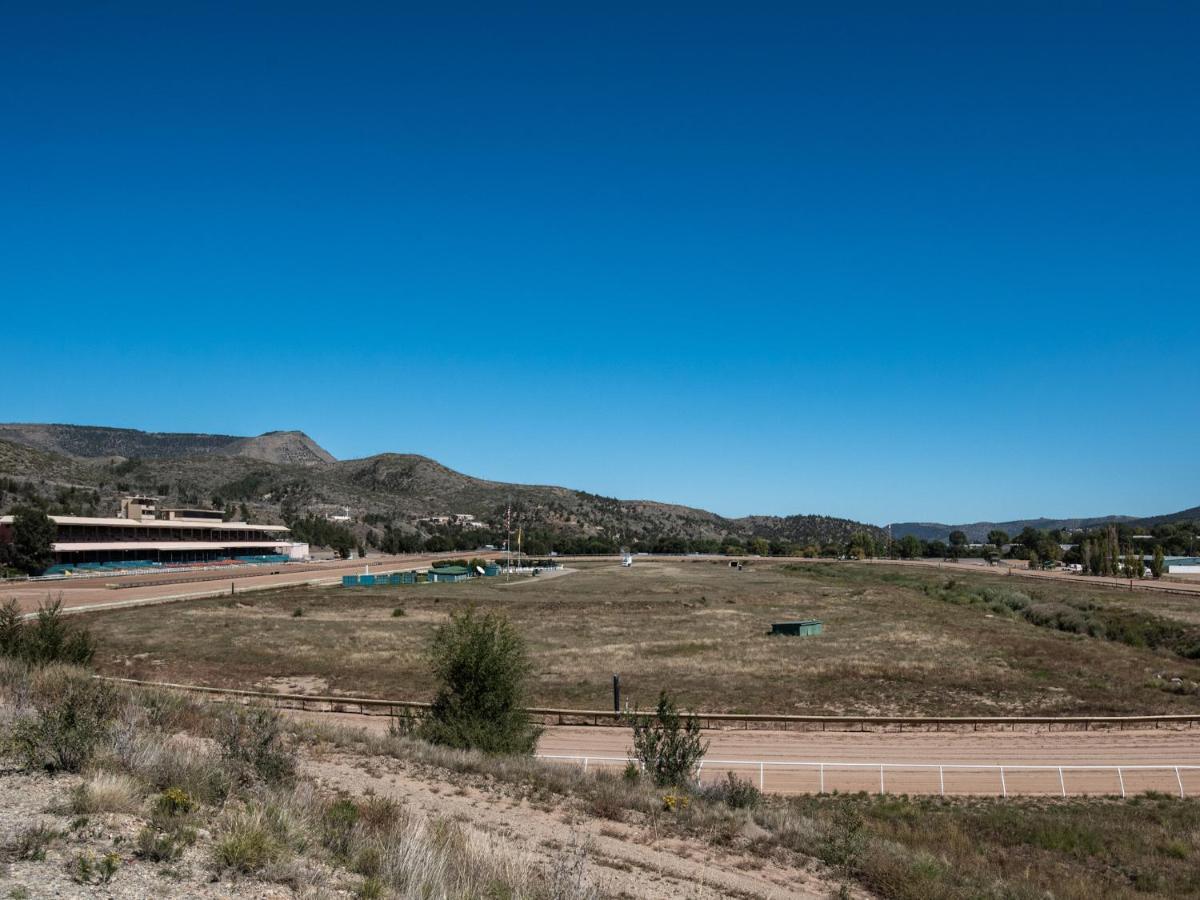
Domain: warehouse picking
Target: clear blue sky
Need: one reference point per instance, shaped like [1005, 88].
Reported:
[940, 265]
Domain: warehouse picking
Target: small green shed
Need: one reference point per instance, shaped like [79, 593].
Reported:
[450, 573]
[802, 628]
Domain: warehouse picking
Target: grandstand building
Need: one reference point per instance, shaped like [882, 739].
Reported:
[144, 536]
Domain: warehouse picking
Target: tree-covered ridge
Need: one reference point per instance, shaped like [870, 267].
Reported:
[393, 499]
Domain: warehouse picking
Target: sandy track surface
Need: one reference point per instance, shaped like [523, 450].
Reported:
[625, 859]
[853, 758]
[902, 755]
[93, 593]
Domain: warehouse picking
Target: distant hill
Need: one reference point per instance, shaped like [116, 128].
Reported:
[1185, 515]
[86, 469]
[94, 442]
[977, 532]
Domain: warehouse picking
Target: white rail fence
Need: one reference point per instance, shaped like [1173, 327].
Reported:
[971, 778]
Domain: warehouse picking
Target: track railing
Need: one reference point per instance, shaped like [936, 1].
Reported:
[822, 770]
[368, 706]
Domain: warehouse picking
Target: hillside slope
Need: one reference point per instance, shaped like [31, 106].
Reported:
[98, 442]
[281, 475]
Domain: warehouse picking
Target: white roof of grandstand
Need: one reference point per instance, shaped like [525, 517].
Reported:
[154, 523]
[81, 546]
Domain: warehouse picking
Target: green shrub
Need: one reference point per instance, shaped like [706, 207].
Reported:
[734, 792]
[174, 801]
[87, 869]
[669, 747]
[398, 612]
[12, 630]
[298, 612]
[162, 846]
[47, 638]
[252, 745]
[480, 664]
[72, 714]
[247, 842]
[337, 827]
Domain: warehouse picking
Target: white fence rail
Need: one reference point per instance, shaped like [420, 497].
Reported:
[823, 772]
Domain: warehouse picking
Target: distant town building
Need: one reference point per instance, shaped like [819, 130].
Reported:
[460, 520]
[1183, 565]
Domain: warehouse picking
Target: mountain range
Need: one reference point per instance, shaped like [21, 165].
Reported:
[86, 469]
[978, 531]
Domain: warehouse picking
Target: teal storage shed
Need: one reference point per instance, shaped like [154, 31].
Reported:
[801, 628]
[491, 571]
[349, 581]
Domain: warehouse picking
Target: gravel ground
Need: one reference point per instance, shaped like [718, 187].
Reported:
[29, 800]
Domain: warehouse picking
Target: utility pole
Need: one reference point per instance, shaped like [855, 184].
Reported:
[508, 540]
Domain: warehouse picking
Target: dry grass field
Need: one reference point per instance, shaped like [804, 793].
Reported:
[900, 641]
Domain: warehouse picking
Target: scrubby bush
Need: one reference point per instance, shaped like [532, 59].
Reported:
[87, 868]
[106, 792]
[161, 846]
[32, 843]
[70, 714]
[166, 764]
[1059, 615]
[480, 664]
[248, 841]
[668, 746]
[174, 801]
[252, 745]
[45, 639]
[12, 629]
[337, 827]
[734, 792]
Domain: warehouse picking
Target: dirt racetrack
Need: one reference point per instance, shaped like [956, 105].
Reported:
[852, 760]
[135, 590]
[970, 761]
